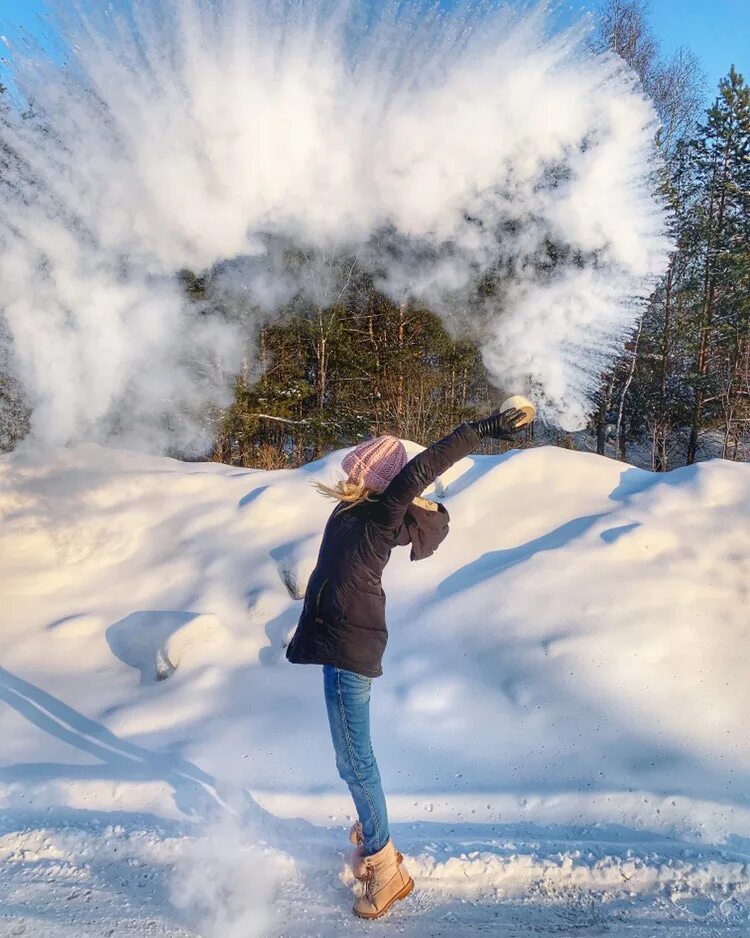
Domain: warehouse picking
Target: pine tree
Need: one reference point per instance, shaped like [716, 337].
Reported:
[721, 227]
[638, 396]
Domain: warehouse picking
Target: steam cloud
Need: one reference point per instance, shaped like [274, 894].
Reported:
[442, 151]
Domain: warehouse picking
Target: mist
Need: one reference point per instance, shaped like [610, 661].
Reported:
[438, 152]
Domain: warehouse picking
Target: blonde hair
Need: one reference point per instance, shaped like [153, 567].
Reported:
[353, 493]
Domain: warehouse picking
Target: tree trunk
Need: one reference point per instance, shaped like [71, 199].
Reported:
[709, 293]
[620, 434]
[601, 426]
[659, 454]
[400, 383]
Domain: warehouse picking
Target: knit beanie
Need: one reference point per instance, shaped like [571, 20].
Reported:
[375, 462]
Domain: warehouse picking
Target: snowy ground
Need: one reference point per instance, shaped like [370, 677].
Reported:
[562, 724]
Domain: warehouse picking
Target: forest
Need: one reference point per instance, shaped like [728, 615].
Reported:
[327, 375]
[680, 390]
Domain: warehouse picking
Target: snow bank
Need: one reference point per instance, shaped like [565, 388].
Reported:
[574, 656]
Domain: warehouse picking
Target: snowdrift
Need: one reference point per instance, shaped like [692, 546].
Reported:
[571, 665]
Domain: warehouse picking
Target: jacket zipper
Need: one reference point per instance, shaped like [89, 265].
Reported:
[317, 600]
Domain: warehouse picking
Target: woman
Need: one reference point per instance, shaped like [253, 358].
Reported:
[342, 625]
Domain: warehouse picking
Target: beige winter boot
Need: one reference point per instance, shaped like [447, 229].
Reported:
[385, 881]
[358, 863]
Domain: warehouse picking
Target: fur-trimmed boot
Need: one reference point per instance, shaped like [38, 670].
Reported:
[358, 866]
[385, 880]
[355, 836]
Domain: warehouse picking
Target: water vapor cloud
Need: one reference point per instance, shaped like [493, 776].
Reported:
[473, 160]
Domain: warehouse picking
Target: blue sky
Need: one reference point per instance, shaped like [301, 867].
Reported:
[18, 11]
[718, 31]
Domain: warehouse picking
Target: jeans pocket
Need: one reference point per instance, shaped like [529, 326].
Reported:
[355, 686]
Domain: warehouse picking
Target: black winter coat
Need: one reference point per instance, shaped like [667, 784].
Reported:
[343, 615]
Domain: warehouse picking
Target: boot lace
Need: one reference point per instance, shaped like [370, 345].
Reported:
[369, 881]
[369, 878]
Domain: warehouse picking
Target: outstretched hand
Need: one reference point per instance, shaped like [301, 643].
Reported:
[500, 426]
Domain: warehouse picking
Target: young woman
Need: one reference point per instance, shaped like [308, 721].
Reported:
[342, 625]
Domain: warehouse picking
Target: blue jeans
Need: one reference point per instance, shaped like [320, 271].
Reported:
[348, 704]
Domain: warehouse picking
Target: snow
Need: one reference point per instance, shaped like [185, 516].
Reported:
[561, 726]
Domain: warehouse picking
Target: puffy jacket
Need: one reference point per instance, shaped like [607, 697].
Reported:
[343, 615]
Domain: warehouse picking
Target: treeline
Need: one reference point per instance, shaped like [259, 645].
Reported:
[363, 366]
[325, 377]
[681, 389]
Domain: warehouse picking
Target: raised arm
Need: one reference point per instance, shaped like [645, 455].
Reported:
[421, 471]
[432, 462]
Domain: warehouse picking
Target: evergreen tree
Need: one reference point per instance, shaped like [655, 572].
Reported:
[722, 229]
[335, 375]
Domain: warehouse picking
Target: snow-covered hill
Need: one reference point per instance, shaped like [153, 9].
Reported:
[561, 727]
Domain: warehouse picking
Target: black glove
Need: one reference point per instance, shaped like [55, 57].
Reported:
[499, 426]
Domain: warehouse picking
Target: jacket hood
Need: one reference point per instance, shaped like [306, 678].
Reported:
[427, 525]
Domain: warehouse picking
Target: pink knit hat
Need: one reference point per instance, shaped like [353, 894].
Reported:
[375, 462]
